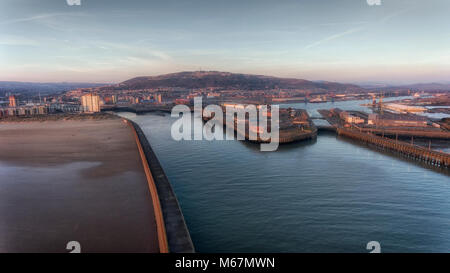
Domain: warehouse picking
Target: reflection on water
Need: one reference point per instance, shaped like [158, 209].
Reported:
[327, 195]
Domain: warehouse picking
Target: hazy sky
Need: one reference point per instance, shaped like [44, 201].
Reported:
[112, 40]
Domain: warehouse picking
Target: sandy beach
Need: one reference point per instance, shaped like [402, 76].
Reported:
[73, 180]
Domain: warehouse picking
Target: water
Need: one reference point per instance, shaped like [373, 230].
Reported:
[344, 105]
[329, 195]
[439, 145]
[356, 105]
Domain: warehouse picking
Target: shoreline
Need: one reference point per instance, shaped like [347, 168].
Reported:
[176, 231]
[80, 180]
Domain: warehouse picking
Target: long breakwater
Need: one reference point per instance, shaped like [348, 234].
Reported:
[431, 157]
[177, 233]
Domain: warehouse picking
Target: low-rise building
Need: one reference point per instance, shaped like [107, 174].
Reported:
[393, 120]
[24, 111]
[347, 117]
[404, 108]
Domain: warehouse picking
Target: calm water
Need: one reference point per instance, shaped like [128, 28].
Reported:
[330, 195]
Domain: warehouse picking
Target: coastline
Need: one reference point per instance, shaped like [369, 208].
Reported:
[77, 180]
[33, 155]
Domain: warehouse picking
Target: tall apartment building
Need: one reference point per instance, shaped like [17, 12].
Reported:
[12, 101]
[90, 103]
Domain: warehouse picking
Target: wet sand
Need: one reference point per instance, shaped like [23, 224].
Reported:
[76, 180]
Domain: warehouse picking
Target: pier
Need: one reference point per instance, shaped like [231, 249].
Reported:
[376, 137]
[170, 219]
[431, 157]
[408, 133]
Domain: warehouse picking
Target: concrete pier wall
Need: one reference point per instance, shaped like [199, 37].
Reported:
[178, 237]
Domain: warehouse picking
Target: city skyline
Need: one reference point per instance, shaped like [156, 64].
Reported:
[397, 42]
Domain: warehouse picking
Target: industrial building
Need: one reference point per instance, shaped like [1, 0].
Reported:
[404, 108]
[393, 120]
[347, 117]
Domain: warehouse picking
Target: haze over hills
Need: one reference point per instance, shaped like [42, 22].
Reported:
[31, 88]
[428, 86]
[431, 86]
[221, 80]
[226, 80]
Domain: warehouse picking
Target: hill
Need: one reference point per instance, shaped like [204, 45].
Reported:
[226, 80]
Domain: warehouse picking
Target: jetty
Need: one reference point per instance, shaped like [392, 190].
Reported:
[406, 149]
[377, 137]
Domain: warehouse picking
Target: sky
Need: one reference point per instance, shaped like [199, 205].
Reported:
[398, 41]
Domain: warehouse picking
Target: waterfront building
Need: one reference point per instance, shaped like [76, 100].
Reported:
[65, 108]
[404, 108]
[29, 110]
[347, 117]
[90, 103]
[390, 119]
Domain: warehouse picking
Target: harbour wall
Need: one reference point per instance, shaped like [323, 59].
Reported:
[178, 237]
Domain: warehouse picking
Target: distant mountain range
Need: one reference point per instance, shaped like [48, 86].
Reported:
[31, 88]
[415, 87]
[226, 80]
[428, 86]
[223, 80]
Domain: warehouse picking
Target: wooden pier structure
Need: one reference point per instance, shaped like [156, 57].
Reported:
[419, 153]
